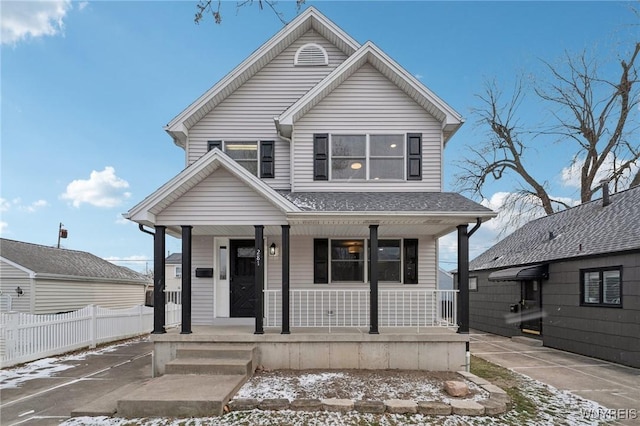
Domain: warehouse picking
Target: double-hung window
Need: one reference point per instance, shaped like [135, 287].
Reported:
[601, 287]
[347, 260]
[255, 156]
[367, 157]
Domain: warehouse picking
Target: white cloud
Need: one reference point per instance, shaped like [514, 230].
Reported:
[102, 189]
[21, 20]
[418, 76]
[6, 205]
[3, 227]
[139, 263]
[82, 5]
[571, 174]
[120, 220]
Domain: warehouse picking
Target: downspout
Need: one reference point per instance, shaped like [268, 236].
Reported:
[467, 355]
[276, 121]
[141, 227]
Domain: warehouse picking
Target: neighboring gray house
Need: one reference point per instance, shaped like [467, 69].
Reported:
[48, 280]
[571, 279]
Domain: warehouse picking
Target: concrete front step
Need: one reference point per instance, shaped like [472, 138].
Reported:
[181, 396]
[217, 351]
[209, 366]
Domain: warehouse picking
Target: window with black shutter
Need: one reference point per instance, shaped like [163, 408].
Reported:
[267, 169]
[320, 261]
[414, 156]
[214, 144]
[410, 261]
[321, 156]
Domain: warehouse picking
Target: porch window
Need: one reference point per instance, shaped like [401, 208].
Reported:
[601, 287]
[346, 260]
[367, 157]
[252, 155]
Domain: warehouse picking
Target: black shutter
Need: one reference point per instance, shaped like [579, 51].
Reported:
[214, 144]
[410, 261]
[267, 169]
[414, 156]
[321, 261]
[321, 156]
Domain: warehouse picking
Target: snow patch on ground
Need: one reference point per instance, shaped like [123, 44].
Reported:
[14, 377]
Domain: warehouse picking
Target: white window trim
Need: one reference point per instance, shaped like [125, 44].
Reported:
[367, 159]
[258, 153]
[366, 261]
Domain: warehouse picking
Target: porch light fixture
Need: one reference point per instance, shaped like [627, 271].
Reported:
[19, 291]
[272, 249]
[356, 166]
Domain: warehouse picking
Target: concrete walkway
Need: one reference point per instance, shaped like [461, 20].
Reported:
[614, 386]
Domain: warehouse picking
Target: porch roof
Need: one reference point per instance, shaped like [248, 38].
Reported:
[385, 202]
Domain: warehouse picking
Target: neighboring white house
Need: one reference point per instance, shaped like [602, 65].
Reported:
[48, 280]
[173, 272]
[318, 147]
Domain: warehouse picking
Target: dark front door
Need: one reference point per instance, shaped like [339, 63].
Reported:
[242, 278]
[531, 308]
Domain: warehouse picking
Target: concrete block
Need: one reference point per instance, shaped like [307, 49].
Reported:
[274, 404]
[496, 392]
[401, 406]
[314, 355]
[375, 407]
[466, 407]
[243, 404]
[343, 355]
[404, 356]
[274, 356]
[473, 378]
[337, 405]
[493, 407]
[433, 408]
[305, 405]
[374, 356]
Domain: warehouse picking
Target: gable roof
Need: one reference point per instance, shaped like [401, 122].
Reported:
[51, 261]
[309, 19]
[174, 258]
[370, 53]
[145, 211]
[585, 230]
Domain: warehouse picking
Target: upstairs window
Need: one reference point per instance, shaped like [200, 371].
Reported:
[368, 157]
[178, 272]
[601, 287]
[254, 156]
[311, 54]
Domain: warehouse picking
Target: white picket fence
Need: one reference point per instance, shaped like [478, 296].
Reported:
[26, 337]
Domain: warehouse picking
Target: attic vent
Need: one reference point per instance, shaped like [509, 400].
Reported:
[311, 54]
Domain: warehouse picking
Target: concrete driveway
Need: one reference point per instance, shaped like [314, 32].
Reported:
[613, 386]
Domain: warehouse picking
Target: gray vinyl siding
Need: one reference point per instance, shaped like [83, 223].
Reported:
[367, 102]
[11, 278]
[54, 296]
[301, 266]
[605, 333]
[203, 293]
[489, 305]
[248, 113]
[221, 199]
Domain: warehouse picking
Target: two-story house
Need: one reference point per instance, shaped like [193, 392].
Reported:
[312, 197]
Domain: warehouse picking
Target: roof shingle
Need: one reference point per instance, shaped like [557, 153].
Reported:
[55, 261]
[584, 230]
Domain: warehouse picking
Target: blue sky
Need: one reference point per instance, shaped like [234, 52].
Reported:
[88, 86]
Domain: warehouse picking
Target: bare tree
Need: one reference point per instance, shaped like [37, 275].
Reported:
[212, 7]
[593, 112]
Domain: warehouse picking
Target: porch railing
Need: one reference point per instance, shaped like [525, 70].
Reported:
[350, 308]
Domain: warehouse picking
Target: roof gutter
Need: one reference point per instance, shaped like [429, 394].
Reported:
[475, 228]
[141, 228]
